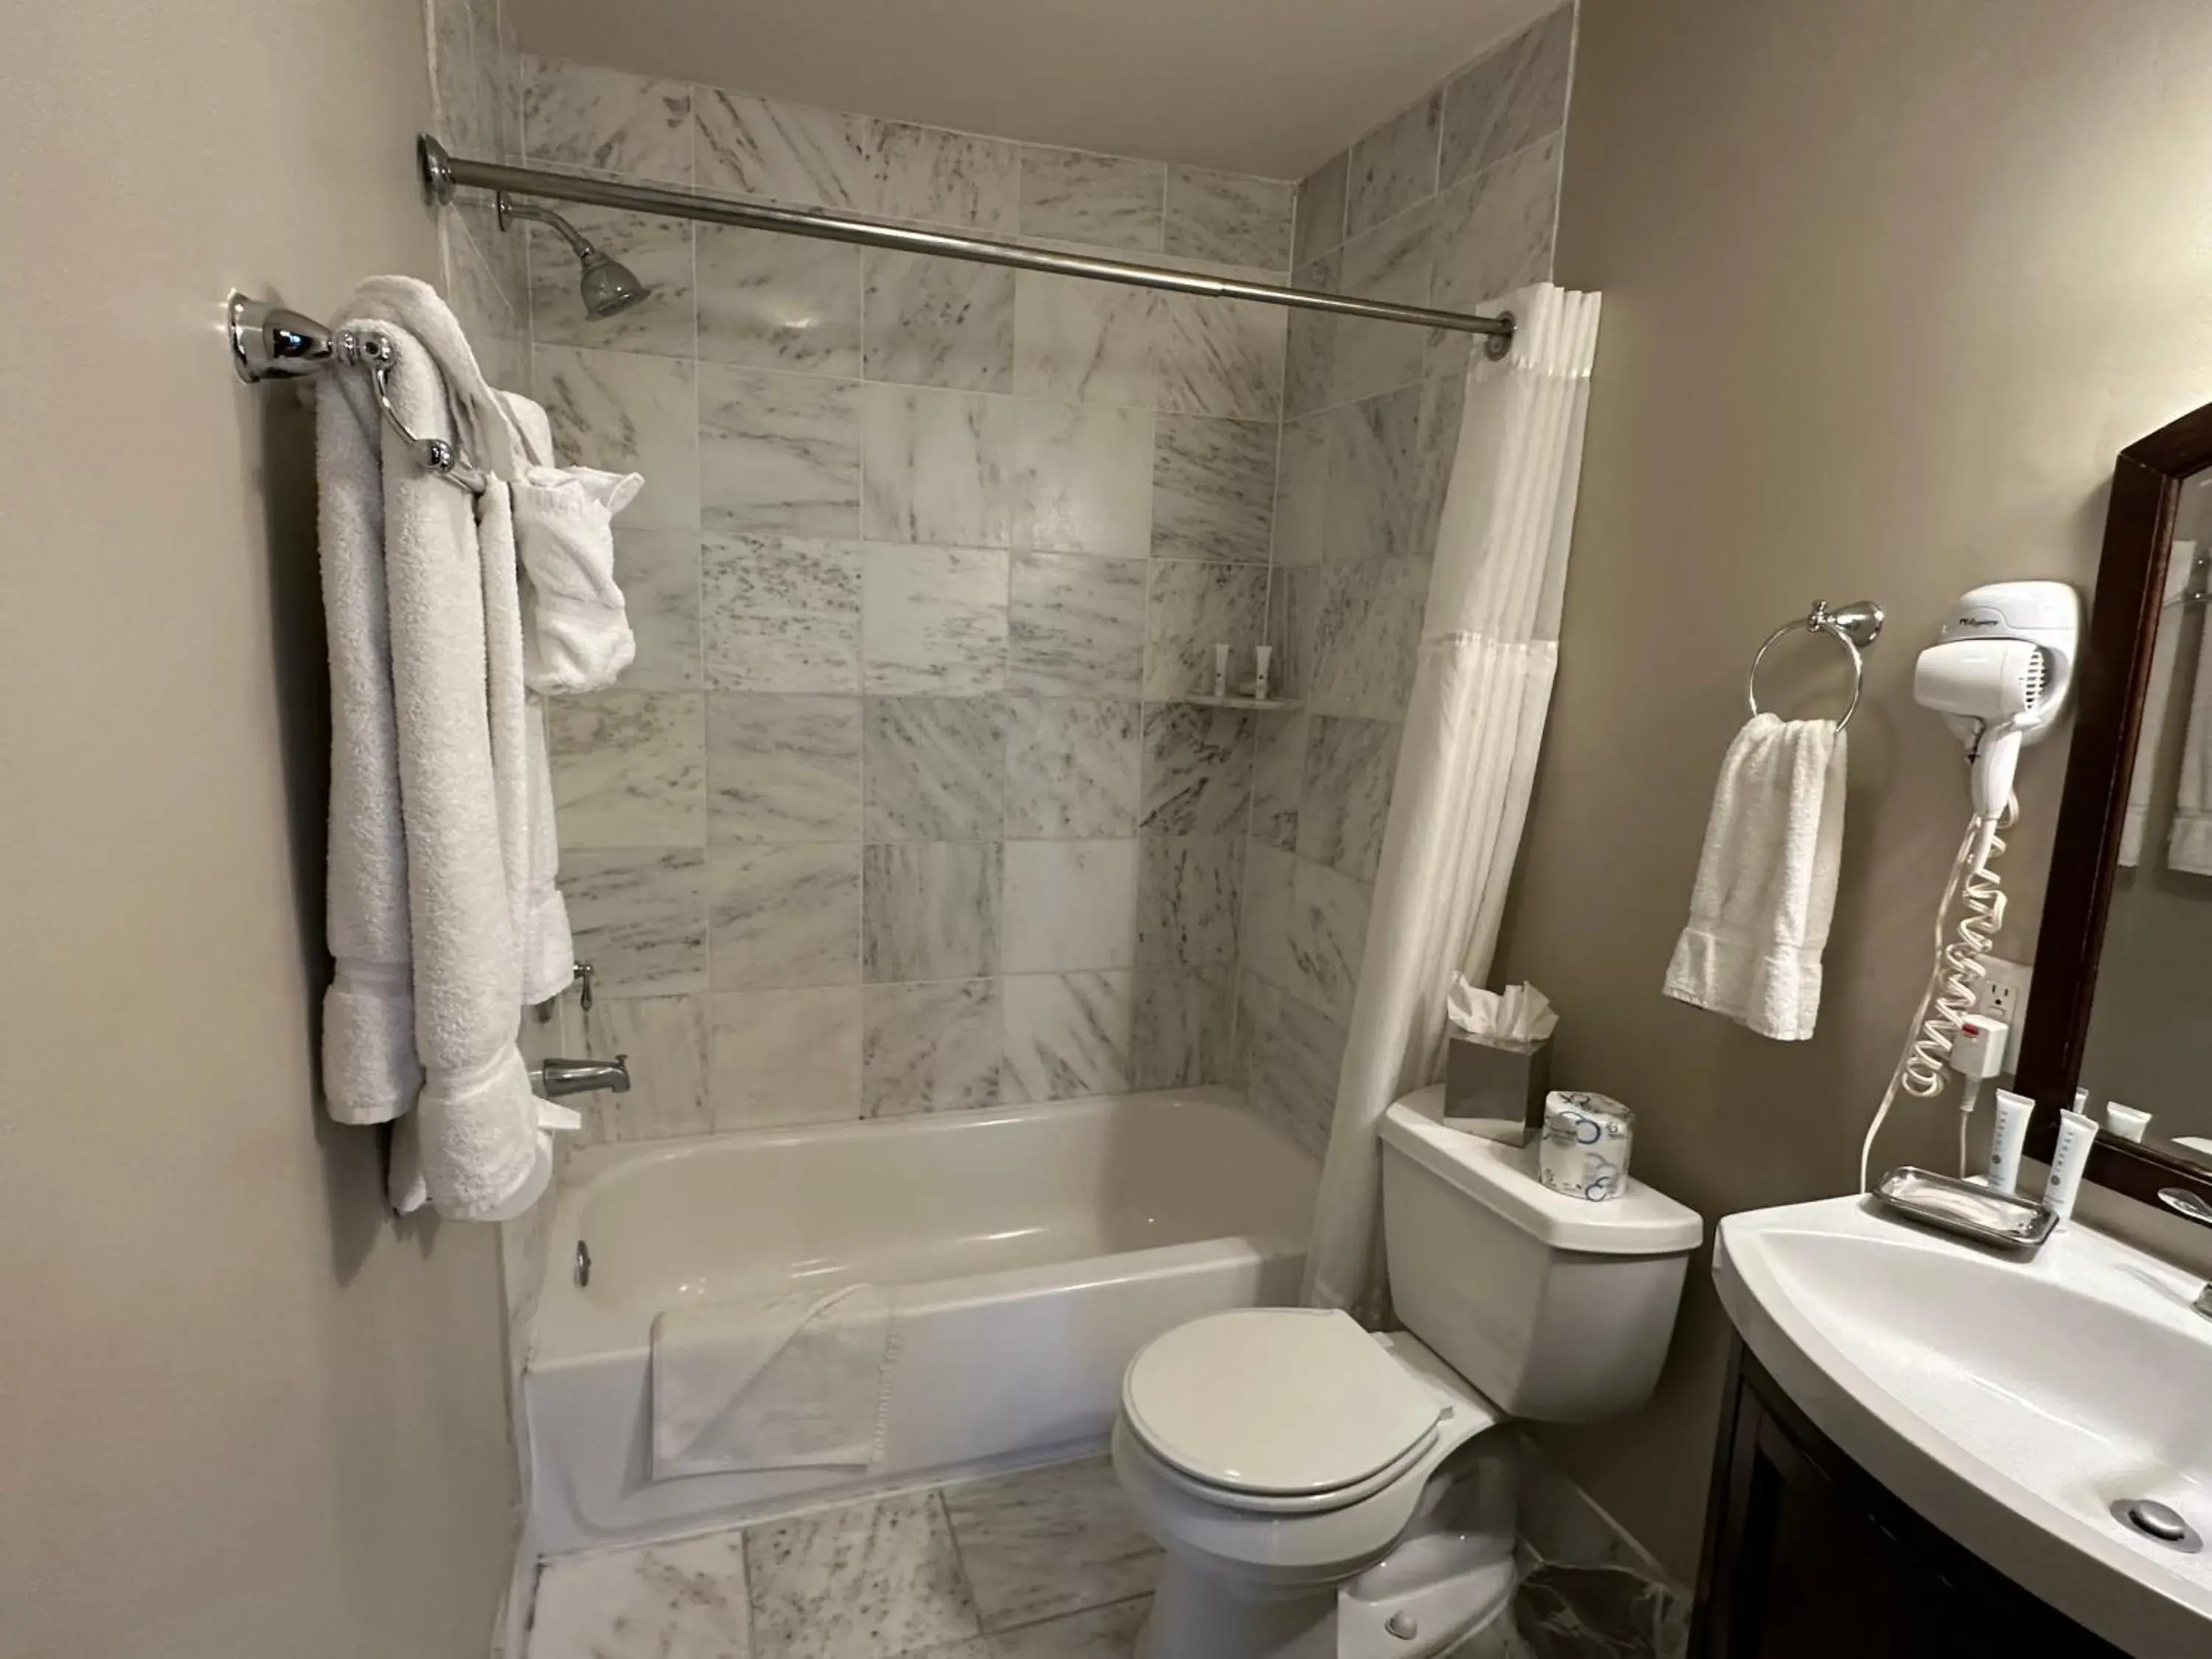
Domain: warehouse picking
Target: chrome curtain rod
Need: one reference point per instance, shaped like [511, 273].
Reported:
[444, 173]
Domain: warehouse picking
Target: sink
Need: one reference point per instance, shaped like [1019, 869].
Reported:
[2010, 1402]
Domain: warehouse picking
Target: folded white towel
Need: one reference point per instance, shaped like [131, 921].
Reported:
[799, 1381]
[1766, 881]
[579, 636]
[2171, 680]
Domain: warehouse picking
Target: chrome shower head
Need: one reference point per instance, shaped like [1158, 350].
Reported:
[606, 284]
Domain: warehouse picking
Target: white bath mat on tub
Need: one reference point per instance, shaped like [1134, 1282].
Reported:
[797, 1381]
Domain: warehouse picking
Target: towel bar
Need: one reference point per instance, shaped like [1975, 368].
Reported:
[1855, 627]
[272, 342]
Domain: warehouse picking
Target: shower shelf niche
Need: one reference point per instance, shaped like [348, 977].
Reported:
[1266, 705]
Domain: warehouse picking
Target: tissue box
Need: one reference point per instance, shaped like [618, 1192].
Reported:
[1496, 1091]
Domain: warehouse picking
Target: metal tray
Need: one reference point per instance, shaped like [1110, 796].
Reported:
[1952, 1206]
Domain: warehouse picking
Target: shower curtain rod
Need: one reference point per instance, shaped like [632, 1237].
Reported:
[443, 173]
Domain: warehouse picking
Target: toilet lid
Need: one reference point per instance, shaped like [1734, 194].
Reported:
[1275, 1399]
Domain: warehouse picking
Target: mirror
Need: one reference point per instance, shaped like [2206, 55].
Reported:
[2150, 1042]
[2122, 1002]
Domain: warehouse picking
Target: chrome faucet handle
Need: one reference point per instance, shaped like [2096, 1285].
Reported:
[555, 1078]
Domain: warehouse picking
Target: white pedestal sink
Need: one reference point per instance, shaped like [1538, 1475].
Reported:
[2010, 1402]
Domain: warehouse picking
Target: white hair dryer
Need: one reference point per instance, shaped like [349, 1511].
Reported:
[2000, 675]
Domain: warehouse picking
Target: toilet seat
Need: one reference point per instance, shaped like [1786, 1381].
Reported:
[1278, 1410]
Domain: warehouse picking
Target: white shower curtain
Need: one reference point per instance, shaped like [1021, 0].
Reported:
[1489, 649]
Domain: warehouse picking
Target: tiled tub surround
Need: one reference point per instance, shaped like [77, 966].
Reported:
[895, 810]
[1450, 204]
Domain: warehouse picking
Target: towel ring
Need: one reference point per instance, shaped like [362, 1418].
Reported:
[1855, 627]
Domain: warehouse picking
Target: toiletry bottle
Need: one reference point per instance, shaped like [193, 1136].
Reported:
[2076, 1130]
[1261, 658]
[1220, 671]
[2008, 1135]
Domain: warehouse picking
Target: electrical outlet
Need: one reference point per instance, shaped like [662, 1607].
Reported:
[2002, 994]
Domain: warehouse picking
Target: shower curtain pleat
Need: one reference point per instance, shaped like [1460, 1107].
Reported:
[1467, 760]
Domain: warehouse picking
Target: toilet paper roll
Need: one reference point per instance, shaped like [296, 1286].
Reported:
[1585, 1148]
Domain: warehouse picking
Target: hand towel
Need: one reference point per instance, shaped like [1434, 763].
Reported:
[580, 635]
[2170, 677]
[1766, 881]
[801, 1381]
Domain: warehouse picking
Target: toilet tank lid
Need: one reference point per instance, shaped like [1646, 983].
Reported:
[1642, 1221]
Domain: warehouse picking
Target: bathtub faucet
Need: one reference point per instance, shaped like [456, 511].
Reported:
[556, 1077]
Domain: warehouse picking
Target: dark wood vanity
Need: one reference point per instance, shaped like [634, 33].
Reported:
[1809, 1556]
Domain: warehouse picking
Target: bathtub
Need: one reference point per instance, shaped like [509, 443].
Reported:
[1035, 1250]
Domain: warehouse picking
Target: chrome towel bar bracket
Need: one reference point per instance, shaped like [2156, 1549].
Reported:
[273, 342]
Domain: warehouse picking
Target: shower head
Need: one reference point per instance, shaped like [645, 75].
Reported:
[606, 284]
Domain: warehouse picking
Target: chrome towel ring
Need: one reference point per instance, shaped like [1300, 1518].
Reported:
[1855, 627]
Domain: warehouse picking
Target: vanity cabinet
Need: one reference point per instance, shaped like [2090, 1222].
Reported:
[1809, 1556]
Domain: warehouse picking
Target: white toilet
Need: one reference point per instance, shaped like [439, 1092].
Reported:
[1325, 1493]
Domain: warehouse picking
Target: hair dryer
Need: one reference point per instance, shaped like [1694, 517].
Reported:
[2000, 674]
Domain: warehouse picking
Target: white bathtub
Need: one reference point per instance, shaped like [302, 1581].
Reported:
[1036, 1248]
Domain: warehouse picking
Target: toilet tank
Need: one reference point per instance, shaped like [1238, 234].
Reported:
[1559, 1310]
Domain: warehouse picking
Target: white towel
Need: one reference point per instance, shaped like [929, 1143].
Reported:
[1766, 881]
[579, 636]
[799, 1382]
[2169, 678]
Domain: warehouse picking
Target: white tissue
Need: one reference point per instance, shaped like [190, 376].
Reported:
[1520, 1016]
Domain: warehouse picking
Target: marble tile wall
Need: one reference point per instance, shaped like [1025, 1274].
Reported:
[1451, 203]
[897, 810]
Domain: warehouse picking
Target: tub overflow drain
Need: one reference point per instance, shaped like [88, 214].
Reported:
[2157, 1521]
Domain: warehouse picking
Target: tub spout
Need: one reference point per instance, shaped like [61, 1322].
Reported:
[556, 1077]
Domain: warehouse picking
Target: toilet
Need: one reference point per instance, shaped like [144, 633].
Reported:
[1323, 1492]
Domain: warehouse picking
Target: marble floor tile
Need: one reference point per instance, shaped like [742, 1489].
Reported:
[1075, 626]
[1083, 479]
[931, 911]
[1181, 1028]
[1320, 217]
[640, 917]
[1279, 771]
[938, 322]
[1507, 99]
[1198, 770]
[1220, 357]
[1495, 232]
[781, 614]
[939, 466]
[1106, 200]
[932, 620]
[778, 453]
[784, 916]
[1346, 802]
[1101, 1633]
[1229, 218]
[1328, 936]
[1072, 767]
[625, 413]
[1393, 167]
[1187, 900]
[1068, 1035]
[659, 573]
[666, 1040]
[929, 175]
[1076, 340]
[1213, 487]
[769, 301]
[1597, 1612]
[932, 1047]
[1068, 905]
[1050, 1540]
[1193, 608]
[870, 1580]
[605, 121]
[630, 768]
[790, 153]
[682, 1601]
[657, 247]
[935, 768]
[782, 768]
[781, 1057]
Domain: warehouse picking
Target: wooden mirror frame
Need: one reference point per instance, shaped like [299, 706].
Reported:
[2114, 673]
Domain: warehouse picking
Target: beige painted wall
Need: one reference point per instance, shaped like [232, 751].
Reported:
[241, 1414]
[1886, 286]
